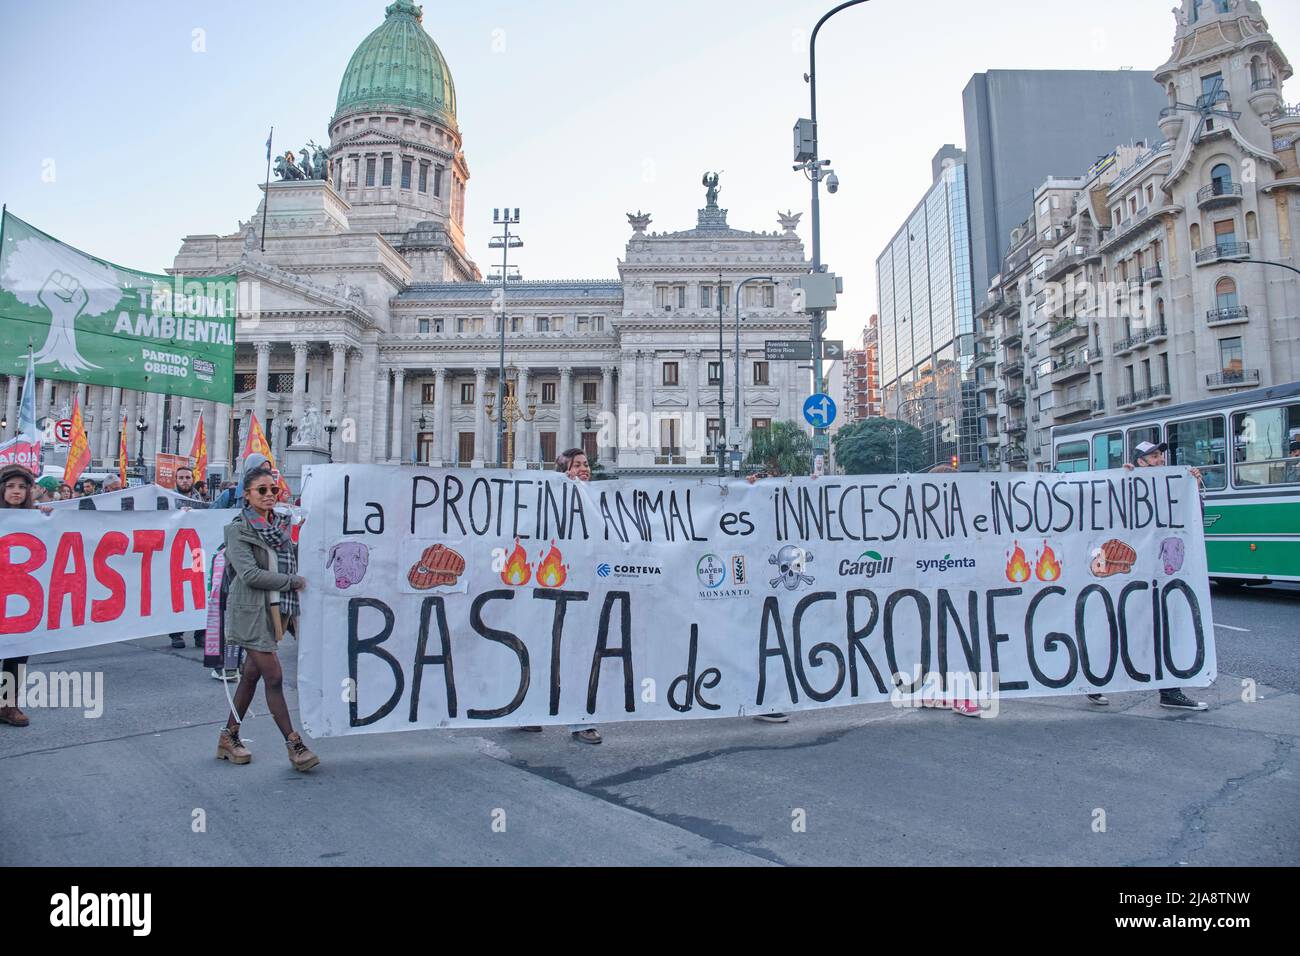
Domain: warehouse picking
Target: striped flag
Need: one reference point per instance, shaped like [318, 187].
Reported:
[25, 447]
[79, 450]
[257, 443]
[199, 452]
[121, 453]
[268, 144]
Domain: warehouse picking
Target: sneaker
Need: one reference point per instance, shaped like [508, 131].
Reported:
[178, 642]
[1101, 700]
[198, 638]
[967, 708]
[773, 718]
[13, 717]
[226, 675]
[300, 757]
[230, 747]
[590, 736]
[1177, 700]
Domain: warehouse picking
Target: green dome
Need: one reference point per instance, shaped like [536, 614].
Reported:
[399, 65]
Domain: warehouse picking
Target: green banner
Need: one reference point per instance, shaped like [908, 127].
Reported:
[87, 320]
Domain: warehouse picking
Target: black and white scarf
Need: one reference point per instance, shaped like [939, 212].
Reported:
[275, 531]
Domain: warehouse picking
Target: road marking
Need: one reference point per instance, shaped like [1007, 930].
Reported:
[1229, 627]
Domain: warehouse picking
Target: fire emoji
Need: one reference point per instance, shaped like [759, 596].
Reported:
[551, 573]
[1047, 568]
[1018, 569]
[517, 571]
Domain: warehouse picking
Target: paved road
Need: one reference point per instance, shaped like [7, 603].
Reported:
[872, 784]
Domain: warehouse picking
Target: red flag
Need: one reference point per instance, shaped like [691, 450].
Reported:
[199, 452]
[121, 453]
[79, 450]
[258, 444]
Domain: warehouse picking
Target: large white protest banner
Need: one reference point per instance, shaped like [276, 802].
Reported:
[76, 578]
[454, 598]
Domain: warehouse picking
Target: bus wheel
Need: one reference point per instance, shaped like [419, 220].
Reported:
[1228, 584]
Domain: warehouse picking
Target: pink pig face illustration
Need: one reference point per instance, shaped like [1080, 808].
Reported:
[349, 560]
[1172, 552]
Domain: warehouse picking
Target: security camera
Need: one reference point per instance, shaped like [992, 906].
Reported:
[832, 182]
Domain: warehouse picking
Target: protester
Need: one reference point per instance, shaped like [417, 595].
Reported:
[1150, 455]
[185, 486]
[17, 484]
[261, 607]
[88, 488]
[573, 463]
[46, 490]
[112, 483]
[65, 491]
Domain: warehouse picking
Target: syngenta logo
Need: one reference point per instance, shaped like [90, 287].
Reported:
[867, 565]
[946, 563]
[102, 909]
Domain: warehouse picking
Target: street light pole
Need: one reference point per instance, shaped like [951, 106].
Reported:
[722, 407]
[505, 242]
[1266, 262]
[897, 431]
[739, 290]
[815, 166]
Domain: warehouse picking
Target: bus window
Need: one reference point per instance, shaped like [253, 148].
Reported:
[1200, 443]
[1261, 446]
[1140, 434]
[1072, 456]
[1107, 451]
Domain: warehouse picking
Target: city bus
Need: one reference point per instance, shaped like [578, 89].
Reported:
[1252, 500]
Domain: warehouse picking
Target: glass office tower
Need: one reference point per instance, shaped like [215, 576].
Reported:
[926, 307]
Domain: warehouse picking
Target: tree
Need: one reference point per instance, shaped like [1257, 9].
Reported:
[783, 447]
[867, 447]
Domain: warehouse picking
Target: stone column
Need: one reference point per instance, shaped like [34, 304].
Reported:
[336, 411]
[263, 374]
[564, 440]
[299, 382]
[11, 408]
[399, 412]
[442, 411]
[191, 422]
[114, 423]
[219, 456]
[90, 415]
[372, 387]
[316, 378]
[480, 417]
[608, 413]
[350, 450]
[47, 397]
[158, 423]
[383, 405]
[523, 429]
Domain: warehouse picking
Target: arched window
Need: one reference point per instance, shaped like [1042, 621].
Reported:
[1160, 312]
[1225, 294]
[1252, 226]
[1196, 235]
[1221, 178]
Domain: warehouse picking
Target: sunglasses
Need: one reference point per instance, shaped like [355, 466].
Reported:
[264, 490]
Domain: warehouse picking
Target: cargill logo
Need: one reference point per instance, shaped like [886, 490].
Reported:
[867, 565]
[75, 908]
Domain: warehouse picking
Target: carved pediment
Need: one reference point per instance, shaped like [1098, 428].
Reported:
[670, 400]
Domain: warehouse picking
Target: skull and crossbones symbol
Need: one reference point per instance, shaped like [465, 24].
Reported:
[790, 562]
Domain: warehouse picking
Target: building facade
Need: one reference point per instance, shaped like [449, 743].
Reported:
[926, 315]
[367, 307]
[862, 375]
[1140, 284]
[1023, 126]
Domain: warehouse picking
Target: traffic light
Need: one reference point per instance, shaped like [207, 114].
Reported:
[953, 462]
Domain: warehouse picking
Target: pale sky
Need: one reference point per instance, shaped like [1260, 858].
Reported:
[119, 137]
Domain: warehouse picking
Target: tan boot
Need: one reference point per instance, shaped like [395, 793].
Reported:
[13, 716]
[230, 747]
[300, 757]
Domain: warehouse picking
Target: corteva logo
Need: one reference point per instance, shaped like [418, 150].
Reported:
[946, 563]
[102, 909]
[867, 565]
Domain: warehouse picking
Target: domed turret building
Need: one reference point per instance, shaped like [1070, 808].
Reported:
[364, 305]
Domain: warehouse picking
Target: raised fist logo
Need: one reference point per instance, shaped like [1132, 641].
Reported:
[63, 295]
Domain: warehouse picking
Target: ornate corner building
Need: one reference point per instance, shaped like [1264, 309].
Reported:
[366, 304]
[1140, 283]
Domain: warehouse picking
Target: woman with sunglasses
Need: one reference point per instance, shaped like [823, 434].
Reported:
[261, 607]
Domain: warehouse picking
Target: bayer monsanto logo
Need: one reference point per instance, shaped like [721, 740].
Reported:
[710, 571]
[603, 570]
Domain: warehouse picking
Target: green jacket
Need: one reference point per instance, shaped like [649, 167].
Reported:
[255, 586]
